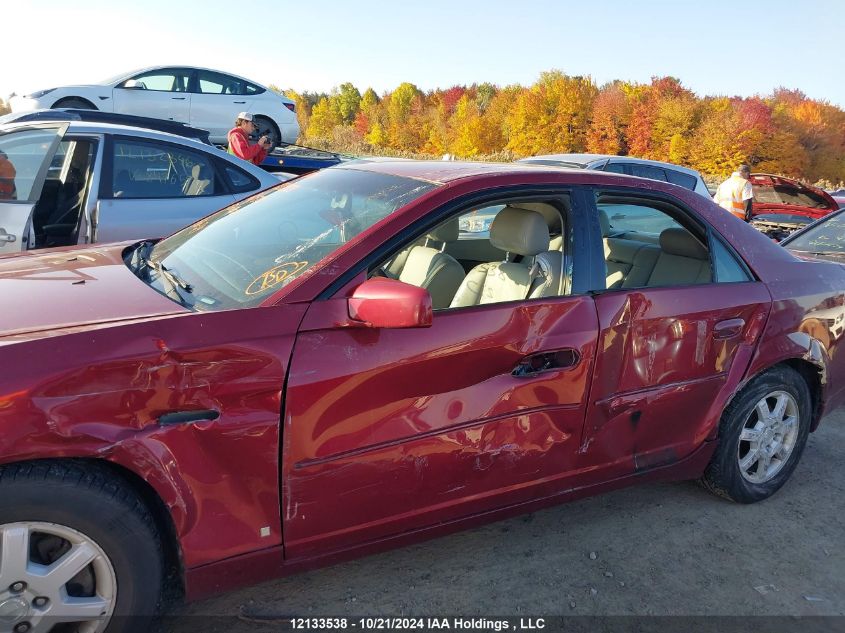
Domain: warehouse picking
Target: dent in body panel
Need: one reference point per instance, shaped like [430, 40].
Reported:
[219, 479]
[662, 375]
[405, 427]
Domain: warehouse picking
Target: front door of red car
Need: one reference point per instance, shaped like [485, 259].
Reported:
[391, 430]
[678, 324]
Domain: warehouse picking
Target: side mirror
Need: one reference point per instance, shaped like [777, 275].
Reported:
[132, 84]
[388, 303]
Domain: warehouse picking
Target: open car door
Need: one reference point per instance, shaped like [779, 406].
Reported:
[26, 154]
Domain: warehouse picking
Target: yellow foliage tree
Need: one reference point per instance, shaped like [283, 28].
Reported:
[324, 118]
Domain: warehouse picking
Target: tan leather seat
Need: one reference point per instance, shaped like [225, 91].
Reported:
[429, 268]
[683, 260]
[525, 232]
[198, 182]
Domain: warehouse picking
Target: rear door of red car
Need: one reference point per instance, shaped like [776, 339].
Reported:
[391, 430]
[676, 334]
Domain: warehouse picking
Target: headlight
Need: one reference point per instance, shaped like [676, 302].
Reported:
[40, 93]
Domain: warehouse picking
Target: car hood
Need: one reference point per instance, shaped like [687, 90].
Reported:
[778, 195]
[51, 292]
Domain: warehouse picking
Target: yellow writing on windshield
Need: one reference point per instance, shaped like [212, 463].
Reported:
[274, 277]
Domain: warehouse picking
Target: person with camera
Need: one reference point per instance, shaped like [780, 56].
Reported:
[239, 144]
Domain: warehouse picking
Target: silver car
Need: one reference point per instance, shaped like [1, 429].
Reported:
[642, 167]
[75, 182]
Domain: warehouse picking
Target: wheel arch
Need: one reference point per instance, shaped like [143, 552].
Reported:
[171, 549]
[814, 373]
[58, 104]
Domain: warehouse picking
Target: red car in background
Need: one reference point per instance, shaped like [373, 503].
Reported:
[331, 368]
[782, 205]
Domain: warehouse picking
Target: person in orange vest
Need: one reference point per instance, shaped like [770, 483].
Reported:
[7, 178]
[735, 194]
[238, 138]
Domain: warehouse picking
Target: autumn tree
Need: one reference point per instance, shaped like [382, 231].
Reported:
[348, 100]
[609, 121]
[552, 115]
[325, 116]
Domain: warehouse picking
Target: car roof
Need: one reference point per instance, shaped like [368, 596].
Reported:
[99, 116]
[130, 73]
[443, 172]
[89, 127]
[586, 159]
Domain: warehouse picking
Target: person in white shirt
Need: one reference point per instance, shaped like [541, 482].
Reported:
[735, 194]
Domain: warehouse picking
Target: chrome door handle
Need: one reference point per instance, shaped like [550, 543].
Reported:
[7, 237]
[728, 329]
[546, 361]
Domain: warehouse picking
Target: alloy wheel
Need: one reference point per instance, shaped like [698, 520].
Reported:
[53, 576]
[768, 437]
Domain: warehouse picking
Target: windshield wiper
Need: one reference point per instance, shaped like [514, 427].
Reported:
[174, 281]
[168, 274]
[139, 254]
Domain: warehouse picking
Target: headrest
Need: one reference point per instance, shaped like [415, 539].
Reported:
[446, 232]
[604, 222]
[680, 242]
[545, 209]
[520, 231]
[196, 171]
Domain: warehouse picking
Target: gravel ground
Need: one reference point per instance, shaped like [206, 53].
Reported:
[662, 549]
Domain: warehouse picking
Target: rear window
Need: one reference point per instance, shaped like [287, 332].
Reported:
[648, 171]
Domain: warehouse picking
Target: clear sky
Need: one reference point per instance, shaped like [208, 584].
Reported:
[714, 47]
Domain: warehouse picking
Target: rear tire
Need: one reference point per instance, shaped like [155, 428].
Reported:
[267, 127]
[80, 517]
[76, 103]
[762, 435]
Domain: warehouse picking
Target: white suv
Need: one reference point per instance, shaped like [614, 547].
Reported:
[200, 97]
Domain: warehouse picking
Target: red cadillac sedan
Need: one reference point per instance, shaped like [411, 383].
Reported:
[350, 362]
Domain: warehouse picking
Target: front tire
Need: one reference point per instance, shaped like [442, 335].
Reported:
[762, 435]
[76, 545]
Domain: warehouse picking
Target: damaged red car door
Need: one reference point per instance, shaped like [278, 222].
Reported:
[403, 428]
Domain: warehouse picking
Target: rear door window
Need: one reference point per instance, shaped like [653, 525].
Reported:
[145, 169]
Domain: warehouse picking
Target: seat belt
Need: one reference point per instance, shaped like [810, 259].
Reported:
[535, 272]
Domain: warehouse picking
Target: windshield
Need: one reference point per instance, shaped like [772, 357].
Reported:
[237, 257]
[828, 236]
[108, 81]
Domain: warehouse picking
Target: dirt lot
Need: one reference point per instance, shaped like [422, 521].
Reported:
[665, 549]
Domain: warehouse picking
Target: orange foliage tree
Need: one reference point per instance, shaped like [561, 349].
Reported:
[785, 132]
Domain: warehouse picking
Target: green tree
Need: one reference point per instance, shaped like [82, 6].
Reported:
[348, 101]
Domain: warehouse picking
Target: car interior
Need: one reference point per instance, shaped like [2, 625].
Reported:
[517, 254]
[516, 250]
[56, 217]
[645, 247]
